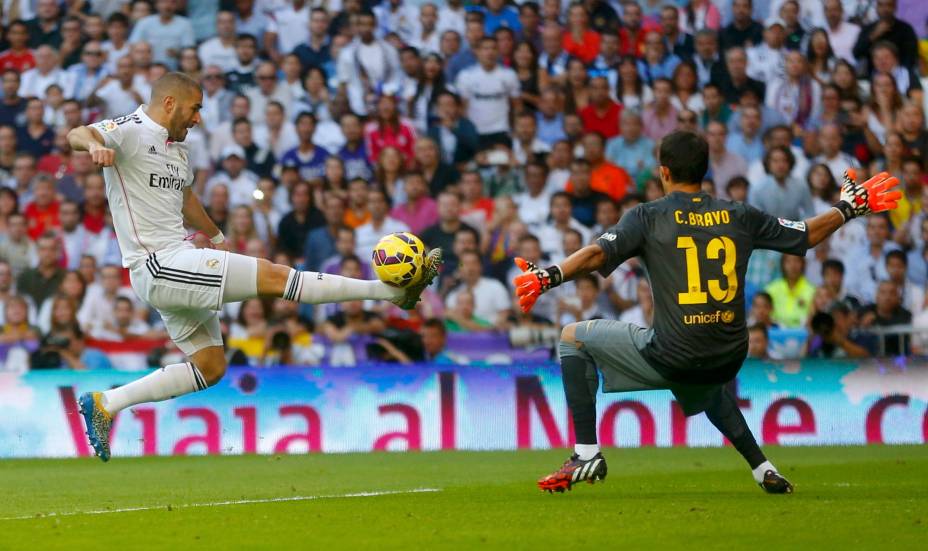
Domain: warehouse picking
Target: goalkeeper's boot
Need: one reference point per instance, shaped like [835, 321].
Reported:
[98, 422]
[411, 294]
[573, 471]
[774, 483]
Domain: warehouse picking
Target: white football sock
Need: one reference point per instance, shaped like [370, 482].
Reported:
[586, 451]
[168, 382]
[759, 471]
[318, 288]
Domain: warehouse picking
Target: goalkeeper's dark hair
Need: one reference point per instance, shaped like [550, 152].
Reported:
[686, 156]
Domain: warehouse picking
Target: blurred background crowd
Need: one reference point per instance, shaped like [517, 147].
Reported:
[491, 129]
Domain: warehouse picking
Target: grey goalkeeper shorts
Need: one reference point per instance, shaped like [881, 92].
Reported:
[614, 348]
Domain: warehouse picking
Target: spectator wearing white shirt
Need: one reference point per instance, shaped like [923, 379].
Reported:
[240, 182]
[166, 31]
[118, 94]
[367, 235]
[277, 132]
[125, 325]
[220, 50]
[780, 136]
[116, 45]
[492, 301]
[451, 16]
[836, 160]
[217, 101]
[268, 89]
[490, 92]
[250, 18]
[641, 314]
[534, 202]
[868, 262]
[765, 61]
[98, 309]
[526, 146]
[426, 34]
[46, 72]
[394, 16]
[552, 234]
[75, 238]
[796, 96]
[841, 34]
[287, 28]
[222, 134]
[367, 66]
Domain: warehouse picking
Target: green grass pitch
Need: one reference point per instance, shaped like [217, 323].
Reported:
[858, 497]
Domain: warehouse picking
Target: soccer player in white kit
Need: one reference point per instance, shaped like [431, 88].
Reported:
[145, 165]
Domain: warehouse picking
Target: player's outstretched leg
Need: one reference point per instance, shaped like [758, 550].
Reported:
[587, 463]
[249, 277]
[724, 413]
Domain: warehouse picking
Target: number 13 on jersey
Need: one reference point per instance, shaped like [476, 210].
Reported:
[719, 248]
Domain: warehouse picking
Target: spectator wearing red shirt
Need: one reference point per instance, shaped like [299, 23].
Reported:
[18, 57]
[388, 130]
[58, 162]
[579, 40]
[633, 30]
[94, 205]
[605, 177]
[42, 213]
[602, 114]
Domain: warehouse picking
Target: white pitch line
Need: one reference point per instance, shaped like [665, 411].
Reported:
[225, 503]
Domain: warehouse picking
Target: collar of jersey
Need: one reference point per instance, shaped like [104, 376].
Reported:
[147, 121]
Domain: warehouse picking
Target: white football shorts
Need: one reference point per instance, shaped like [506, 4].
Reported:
[186, 286]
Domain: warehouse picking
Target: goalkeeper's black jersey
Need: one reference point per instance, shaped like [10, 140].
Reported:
[695, 250]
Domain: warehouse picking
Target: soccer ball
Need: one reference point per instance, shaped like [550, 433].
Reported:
[397, 259]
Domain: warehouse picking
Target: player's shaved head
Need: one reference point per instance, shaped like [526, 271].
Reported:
[176, 100]
[175, 85]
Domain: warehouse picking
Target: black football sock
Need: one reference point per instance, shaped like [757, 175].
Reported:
[580, 393]
[726, 416]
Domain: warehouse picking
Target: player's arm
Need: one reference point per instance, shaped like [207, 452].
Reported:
[620, 243]
[86, 138]
[196, 217]
[874, 195]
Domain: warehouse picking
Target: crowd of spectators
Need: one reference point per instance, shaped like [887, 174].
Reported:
[489, 128]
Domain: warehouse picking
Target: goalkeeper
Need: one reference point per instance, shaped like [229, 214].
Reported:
[695, 249]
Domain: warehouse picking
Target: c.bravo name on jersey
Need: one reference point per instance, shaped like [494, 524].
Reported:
[705, 219]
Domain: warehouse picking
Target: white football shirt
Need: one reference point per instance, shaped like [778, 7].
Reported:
[488, 94]
[145, 186]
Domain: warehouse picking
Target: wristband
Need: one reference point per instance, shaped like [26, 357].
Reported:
[555, 276]
[845, 208]
[218, 238]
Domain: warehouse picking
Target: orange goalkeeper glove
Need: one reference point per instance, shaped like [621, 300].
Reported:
[534, 281]
[874, 195]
